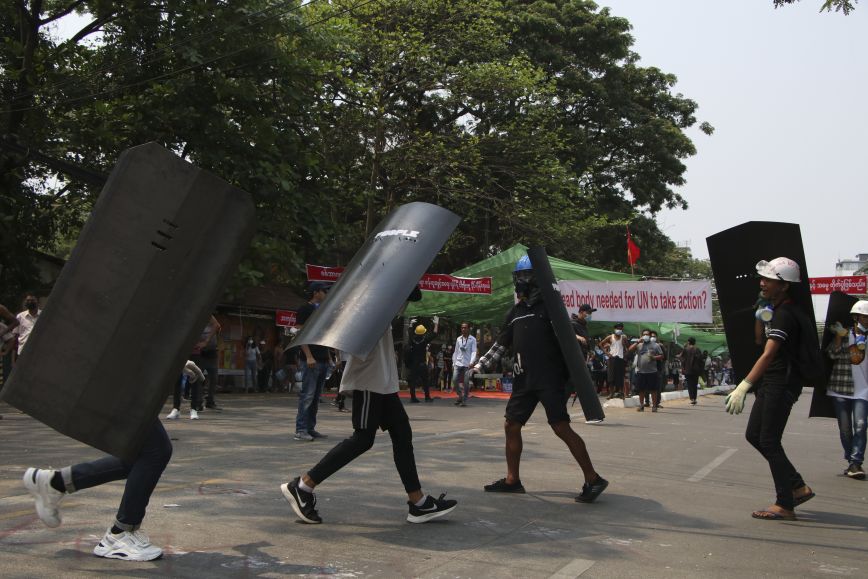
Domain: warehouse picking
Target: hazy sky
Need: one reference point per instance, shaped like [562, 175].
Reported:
[787, 93]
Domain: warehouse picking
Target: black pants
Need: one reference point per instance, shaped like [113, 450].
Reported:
[419, 377]
[765, 429]
[142, 476]
[207, 361]
[372, 411]
[692, 381]
[195, 394]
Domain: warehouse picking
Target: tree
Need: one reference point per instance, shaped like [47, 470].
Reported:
[844, 6]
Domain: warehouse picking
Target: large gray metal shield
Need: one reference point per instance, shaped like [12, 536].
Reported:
[734, 254]
[131, 301]
[580, 378]
[378, 280]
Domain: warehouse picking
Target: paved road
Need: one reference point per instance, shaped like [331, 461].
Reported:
[683, 484]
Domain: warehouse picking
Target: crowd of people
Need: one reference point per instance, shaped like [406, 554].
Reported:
[526, 347]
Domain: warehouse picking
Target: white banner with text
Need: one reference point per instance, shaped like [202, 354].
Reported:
[641, 301]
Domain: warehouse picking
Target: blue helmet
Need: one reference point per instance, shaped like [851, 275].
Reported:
[523, 264]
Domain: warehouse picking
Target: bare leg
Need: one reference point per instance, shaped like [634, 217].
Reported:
[513, 450]
[578, 449]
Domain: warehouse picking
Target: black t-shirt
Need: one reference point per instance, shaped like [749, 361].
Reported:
[418, 349]
[580, 328]
[538, 362]
[319, 353]
[784, 328]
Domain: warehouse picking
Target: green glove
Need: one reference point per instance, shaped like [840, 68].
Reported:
[838, 329]
[735, 399]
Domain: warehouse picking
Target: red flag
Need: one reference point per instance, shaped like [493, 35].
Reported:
[632, 250]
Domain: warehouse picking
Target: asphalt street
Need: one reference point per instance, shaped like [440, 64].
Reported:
[683, 484]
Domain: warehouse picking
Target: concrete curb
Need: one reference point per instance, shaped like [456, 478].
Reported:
[633, 401]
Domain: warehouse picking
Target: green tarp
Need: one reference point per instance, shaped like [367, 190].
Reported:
[491, 309]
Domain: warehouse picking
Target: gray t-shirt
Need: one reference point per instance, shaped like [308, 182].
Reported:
[645, 363]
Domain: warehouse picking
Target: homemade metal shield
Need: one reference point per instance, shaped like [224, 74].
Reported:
[838, 310]
[580, 378]
[131, 301]
[378, 280]
[734, 254]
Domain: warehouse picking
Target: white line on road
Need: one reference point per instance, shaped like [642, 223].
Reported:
[449, 434]
[706, 470]
[572, 569]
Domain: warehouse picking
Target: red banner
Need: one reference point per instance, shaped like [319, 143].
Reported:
[285, 318]
[432, 282]
[849, 284]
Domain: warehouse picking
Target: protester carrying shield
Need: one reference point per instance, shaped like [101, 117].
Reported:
[124, 539]
[540, 376]
[848, 386]
[780, 337]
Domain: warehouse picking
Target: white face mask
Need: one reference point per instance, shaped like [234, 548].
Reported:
[653, 339]
[646, 338]
[619, 332]
[861, 327]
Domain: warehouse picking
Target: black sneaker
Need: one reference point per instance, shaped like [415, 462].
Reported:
[855, 471]
[501, 486]
[301, 501]
[592, 491]
[430, 509]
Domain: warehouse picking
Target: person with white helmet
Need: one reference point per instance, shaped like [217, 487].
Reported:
[848, 386]
[780, 388]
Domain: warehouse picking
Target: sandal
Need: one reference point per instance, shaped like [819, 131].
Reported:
[804, 498]
[767, 515]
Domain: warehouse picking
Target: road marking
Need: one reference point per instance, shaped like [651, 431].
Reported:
[706, 470]
[572, 569]
[449, 434]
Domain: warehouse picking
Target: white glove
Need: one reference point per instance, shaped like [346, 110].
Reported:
[735, 399]
[838, 329]
[436, 320]
[193, 372]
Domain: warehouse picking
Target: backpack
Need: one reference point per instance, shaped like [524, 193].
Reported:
[408, 356]
[805, 357]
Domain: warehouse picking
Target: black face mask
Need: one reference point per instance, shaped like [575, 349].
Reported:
[31, 305]
[524, 284]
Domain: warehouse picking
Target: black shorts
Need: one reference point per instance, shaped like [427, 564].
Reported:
[372, 410]
[647, 382]
[523, 402]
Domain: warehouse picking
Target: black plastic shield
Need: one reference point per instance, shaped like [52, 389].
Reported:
[734, 254]
[378, 280]
[580, 377]
[838, 310]
[131, 301]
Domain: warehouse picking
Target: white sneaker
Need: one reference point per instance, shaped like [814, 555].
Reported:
[132, 546]
[193, 414]
[301, 435]
[38, 483]
[174, 414]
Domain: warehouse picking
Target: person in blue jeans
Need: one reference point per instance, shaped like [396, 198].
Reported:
[124, 539]
[316, 360]
[848, 387]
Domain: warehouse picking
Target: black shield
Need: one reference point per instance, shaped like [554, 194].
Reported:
[838, 310]
[375, 285]
[131, 301]
[580, 377]
[734, 254]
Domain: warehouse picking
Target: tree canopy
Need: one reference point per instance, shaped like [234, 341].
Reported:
[531, 120]
[844, 6]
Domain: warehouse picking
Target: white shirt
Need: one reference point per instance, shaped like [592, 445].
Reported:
[377, 373]
[465, 351]
[616, 347]
[26, 321]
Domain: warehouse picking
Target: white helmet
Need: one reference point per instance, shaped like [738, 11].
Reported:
[782, 268]
[860, 307]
